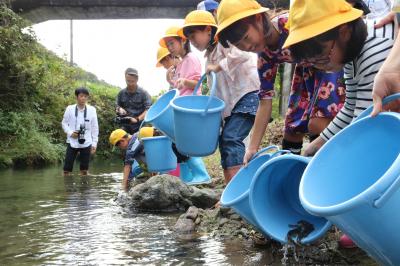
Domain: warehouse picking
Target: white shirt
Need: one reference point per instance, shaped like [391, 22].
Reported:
[379, 8]
[238, 76]
[71, 123]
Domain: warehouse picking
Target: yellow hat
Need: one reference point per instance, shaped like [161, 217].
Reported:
[161, 54]
[230, 11]
[117, 135]
[146, 132]
[198, 18]
[170, 32]
[309, 18]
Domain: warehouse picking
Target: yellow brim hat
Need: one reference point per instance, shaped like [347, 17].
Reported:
[197, 18]
[305, 31]
[238, 16]
[161, 54]
[170, 32]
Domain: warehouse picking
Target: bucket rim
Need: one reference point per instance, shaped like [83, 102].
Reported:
[155, 138]
[309, 239]
[199, 111]
[245, 193]
[164, 109]
[368, 196]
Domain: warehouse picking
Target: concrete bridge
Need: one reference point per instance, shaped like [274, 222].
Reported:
[42, 10]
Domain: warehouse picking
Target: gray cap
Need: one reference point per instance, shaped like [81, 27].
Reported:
[131, 71]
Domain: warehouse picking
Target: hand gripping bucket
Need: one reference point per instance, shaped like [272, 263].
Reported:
[159, 154]
[354, 181]
[236, 193]
[161, 116]
[386, 100]
[197, 122]
[275, 204]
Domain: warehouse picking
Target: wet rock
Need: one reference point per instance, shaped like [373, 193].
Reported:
[184, 225]
[204, 198]
[235, 217]
[165, 193]
[223, 221]
[192, 213]
[161, 193]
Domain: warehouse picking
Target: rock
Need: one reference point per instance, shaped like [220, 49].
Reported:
[184, 225]
[161, 193]
[235, 217]
[198, 221]
[192, 213]
[223, 221]
[204, 198]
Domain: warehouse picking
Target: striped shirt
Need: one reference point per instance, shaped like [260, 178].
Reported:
[359, 76]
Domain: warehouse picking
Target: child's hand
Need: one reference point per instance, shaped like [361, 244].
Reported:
[180, 83]
[213, 68]
[248, 155]
[314, 146]
[170, 74]
[389, 18]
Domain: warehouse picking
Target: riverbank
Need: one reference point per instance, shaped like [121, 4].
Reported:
[36, 86]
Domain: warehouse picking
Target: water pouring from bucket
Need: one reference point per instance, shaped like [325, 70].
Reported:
[197, 121]
[275, 204]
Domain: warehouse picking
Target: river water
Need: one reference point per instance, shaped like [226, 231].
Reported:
[47, 219]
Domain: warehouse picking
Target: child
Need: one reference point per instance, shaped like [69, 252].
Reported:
[164, 58]
[239, 94]
[187, 73]
[315, 96]
[340, 38]
[345, 42]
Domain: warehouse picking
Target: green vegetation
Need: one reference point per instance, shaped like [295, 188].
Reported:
[35, 88]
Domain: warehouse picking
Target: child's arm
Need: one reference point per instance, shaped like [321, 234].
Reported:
[261, 122]
[127, 171]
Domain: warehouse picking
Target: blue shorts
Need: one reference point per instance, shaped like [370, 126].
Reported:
[231, 146]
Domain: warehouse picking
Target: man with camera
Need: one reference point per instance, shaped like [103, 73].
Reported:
[132, 103]
[82, 129]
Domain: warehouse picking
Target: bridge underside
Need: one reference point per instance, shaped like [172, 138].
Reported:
[42, 10]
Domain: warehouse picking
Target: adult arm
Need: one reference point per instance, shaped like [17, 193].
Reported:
[65, 124]
[95, 131]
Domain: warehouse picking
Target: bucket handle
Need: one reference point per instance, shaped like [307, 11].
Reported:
[386, 100]
[212, 91]
[379, 202]
[272, 147]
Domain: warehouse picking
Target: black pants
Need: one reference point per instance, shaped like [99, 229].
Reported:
[70, 156]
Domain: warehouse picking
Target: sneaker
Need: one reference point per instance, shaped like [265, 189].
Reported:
[346, 242]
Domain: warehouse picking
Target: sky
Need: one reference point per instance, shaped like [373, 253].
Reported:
[107, 47]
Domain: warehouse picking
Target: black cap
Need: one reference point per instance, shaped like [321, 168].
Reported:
[131, 71]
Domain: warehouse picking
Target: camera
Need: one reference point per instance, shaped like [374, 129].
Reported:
[124, 120]
[81, 134]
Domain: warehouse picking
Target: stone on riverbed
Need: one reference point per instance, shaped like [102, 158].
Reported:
[167, 193]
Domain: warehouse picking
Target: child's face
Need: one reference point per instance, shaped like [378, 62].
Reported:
[331, 59]
[167, 62]
[175, 47]
[253, 40]
[200, 38]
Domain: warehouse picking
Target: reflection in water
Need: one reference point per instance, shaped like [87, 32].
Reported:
[49, 219]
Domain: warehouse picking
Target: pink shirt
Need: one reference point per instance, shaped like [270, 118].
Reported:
[189, 68]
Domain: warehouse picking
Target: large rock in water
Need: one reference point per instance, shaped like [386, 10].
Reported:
[167, 193]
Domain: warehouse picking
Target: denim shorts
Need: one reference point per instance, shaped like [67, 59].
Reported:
[231, 146]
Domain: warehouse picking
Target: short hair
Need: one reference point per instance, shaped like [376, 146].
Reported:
[313, 47]
[81, 90]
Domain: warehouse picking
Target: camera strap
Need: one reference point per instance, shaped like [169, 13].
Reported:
[76, 115]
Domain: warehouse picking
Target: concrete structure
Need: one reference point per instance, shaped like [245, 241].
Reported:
[42, 10]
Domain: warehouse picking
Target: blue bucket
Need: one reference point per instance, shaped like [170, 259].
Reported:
[161, 116]
[354, 182]
[275, 203]
[197, 122]
[236, 193]
[386, 100]
[159, 154]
